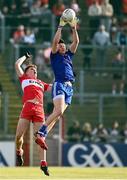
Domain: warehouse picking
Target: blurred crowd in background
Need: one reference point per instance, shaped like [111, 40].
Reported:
[87, 133]
[21, 14]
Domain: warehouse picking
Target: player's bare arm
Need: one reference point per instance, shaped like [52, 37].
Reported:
[18, 67]
[75, 37]
[75, 42]
[18, 64]
[57, 36]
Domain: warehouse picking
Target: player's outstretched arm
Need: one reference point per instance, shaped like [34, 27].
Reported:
[18, 64]
[57, 36]
[75, 37]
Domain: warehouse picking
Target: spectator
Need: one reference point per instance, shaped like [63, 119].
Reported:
[74, 132]
[25, 13]
[44, 4]
[36, 12]
[107, 13]
[58, 9]
[114, 134]
[29, 37]
[86, 132]
[101, 41]
[94, 11]
[118, 72]
[5, 10]
[13, 10]
[6, 6]
[100, 133]
[121, 37]
[29, 40]
[114, 31]
[19, 34]
[25, 9]
[90, 2]
[87, 51]
[36, 8]
[75, 6]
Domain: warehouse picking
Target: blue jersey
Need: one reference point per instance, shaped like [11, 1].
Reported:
[62, 66]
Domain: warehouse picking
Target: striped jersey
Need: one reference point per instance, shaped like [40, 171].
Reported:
[32, 88]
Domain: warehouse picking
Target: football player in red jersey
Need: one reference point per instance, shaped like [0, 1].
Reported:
[32, 110]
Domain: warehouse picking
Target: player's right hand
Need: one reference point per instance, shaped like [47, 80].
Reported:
[74, 22]
[62, 22]
[28, 55]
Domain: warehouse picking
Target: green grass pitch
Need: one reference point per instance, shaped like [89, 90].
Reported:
[63, 173]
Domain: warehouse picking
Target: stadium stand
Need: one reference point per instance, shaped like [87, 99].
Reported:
[14, 103]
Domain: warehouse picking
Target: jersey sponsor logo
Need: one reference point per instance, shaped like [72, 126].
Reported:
[28, 82]
[93, 155]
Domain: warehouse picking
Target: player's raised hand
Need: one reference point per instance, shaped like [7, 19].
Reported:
[28, 55]
[62, 22]
[74, 22]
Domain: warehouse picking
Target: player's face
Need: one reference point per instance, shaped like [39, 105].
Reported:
[61, 48]
[32, 72]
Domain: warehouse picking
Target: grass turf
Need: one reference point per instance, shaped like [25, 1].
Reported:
[63, 173]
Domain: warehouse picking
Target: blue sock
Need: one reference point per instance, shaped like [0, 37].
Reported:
[43, 131]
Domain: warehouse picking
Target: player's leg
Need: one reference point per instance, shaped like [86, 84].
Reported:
[22, 126]
[51, 125]
[59, 107]
[60, 102]
[41, 152]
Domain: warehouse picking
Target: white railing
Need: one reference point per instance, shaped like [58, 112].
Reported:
[100, 97]
[2, 32]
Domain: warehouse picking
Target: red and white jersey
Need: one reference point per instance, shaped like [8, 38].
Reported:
[32, 88]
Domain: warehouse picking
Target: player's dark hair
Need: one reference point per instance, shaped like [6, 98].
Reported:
[28, 66]
[61, 41]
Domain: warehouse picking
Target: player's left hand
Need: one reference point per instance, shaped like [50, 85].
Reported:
[74, 22]
[28, 55]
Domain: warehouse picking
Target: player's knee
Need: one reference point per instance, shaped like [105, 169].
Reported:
[59, 112]
[18, 138]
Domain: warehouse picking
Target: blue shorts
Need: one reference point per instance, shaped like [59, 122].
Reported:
[63, 89]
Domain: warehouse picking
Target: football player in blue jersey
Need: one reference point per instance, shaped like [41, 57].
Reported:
[62, 91]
